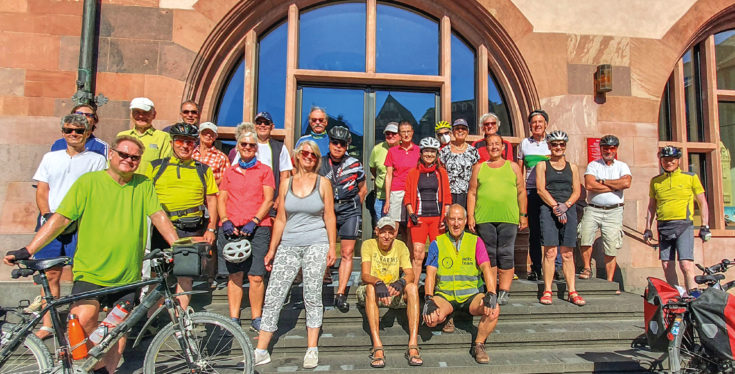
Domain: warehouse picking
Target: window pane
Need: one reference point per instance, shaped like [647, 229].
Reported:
[418, 108]
[664, 115]
[498, 105]
[727, 151]
[463, 83]
[693, 94]
[345, 107]
[406, 42]
[698, 165]
[229, 112]
[725, 54]
[272, 74]
[333, 38]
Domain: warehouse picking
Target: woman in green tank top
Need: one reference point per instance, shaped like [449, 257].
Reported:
[496, 210]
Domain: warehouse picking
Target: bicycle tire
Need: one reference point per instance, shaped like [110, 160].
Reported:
[30, 357]
[223, 345]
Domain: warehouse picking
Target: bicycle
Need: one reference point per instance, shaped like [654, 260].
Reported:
[693, 327]
[194, 342]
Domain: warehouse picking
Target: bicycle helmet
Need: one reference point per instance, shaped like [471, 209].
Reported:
[340, 133]
[442, 125]
[557, 135]
[429, 143]
[237, 251]
[670, 151]
[610, 141]
[182, 129]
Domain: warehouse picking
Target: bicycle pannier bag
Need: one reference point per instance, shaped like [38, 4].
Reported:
[714, 316]
[658, 319]
[192, 260]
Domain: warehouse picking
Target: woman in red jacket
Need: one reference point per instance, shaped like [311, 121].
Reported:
[427, 199]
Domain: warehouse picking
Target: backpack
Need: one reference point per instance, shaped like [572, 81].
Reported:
[200, 168]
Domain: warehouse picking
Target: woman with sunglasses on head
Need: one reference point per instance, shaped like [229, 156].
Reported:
[458, 158]
[557, 182]
[92, 143]
[304, 237]
[427, 199]
[490, 124]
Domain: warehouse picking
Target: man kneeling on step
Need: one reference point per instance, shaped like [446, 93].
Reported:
[455, 261]
[382, 261]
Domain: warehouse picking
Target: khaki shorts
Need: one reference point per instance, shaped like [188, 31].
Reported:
[610, 224]
[397, 302]
[396, 206]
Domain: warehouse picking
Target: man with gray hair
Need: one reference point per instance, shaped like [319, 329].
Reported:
[318, 121]
[55, 175]
[490, 123]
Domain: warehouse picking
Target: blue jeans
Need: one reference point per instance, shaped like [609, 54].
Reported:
[378, 208]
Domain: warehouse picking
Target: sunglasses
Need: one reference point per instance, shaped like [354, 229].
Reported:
[180, 142]
[308, 154]
[389, 133]
[88, 115]
[262, 123]
[123, 155]
[318, 119]
[187, 112]
[609, 147]
[490, 124]
[248, 145]
[67, 130]
[560, 145]
[338, 143]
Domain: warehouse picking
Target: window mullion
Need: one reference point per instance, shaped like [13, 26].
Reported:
[291, 65]
[251, 75]
[712, 131]
[482, 82]
[678, 118]
[370, 35]
[445, 44]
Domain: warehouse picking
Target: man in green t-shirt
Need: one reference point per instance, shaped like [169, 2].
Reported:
[383, 259]
[110, 207]
[378, 170]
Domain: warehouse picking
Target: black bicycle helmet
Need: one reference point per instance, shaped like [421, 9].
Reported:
[340, 133]
[610, 141]
[670, 151]
[182, 129]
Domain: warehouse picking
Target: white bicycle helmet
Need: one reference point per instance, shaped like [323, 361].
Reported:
[429, 143]
[237, 251]
[557, 135]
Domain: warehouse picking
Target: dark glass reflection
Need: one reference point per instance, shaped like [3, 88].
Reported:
[498, 105]
[229, 112]
[698, 165]
[725, 54]
[664, 115]
[272, 73]
[333, 37]
[345, 107]
[727, 152]
[693, 94]
[406, 42]
[418, 108]
[463, 83]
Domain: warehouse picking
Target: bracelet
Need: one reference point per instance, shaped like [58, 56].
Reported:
[523, 214]
[256, 218]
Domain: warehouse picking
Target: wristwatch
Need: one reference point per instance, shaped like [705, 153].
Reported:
[214, 231]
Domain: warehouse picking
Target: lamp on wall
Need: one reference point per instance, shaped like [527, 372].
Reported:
[603, 78]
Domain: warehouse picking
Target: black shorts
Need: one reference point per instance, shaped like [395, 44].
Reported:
[108, 300]
[500, 240]
[157, 241]
[349, 228]
[463, 306]
[460, 198]
[254, 265]
[554, 233]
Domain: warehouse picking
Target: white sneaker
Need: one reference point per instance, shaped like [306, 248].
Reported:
[262, 359]
[311, 359]
[35, 306]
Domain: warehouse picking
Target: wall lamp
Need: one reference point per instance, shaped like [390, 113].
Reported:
[603, 79]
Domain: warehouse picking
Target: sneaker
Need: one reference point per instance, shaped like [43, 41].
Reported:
[255, 325]
[478, 352]
[311, 359]
[262, 358]
[533, 276]
[503, 296]
[449, 326]
[35, 306]
[341, 303]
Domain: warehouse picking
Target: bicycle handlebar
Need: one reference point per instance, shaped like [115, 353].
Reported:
[716, 268]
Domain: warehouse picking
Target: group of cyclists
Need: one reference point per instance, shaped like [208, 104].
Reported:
[277, 216]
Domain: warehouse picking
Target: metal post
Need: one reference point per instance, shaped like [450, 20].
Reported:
[86, 71]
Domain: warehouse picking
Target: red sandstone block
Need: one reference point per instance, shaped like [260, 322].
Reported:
[121, 86]
[29, 51]
[58, 24]
[167, 94]
[50, 83]
[18, 217]
[191, 28]
[14, 6]
[72, 7]
[20, 192]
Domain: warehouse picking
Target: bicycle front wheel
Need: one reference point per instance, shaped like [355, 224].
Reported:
[31, 356]
[218, 346]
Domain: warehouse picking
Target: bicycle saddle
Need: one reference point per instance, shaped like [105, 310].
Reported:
[714, 278]
[45, 263]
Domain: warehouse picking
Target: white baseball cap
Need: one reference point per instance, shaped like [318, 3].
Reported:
[142, 103]
[391, 127]
[207, 126]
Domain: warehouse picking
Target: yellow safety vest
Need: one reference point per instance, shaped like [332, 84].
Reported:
[458, 277]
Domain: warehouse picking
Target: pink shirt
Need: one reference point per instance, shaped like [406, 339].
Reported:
[245, 192]
[402, 161]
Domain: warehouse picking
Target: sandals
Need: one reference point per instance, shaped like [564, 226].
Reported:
[377, 362]
[586, 273]
[414, 360]
[575, 299]
[546, 298]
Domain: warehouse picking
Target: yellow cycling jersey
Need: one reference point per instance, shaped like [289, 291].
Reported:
[180, 187]
[674, 193]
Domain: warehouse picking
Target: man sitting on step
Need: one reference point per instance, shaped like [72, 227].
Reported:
[455, 261]
[382, 261]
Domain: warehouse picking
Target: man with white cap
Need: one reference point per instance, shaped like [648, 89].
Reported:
[378, 169]
[208, 154]
[157, 143]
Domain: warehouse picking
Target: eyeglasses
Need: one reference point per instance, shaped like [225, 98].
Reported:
[338, 143]
[317, 119]
[490, 124]
[308, 154]
[123, 155]
[180, 141]
[88, 115]
[67, 130]
[558, 144]
[248, 145]
[405, 132]
[187, 112]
